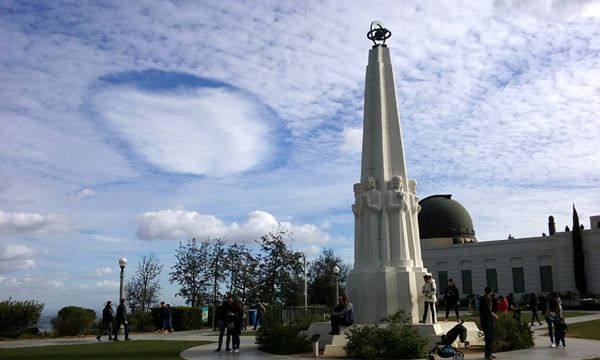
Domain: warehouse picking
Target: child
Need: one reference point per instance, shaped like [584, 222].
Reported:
[560, 328]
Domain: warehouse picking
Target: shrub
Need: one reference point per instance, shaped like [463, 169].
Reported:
[18, 316]
[73, 320]
[141, 321]
[187, 318]
[274, 337]
[183, 318]
[396, 341]
[510, 334]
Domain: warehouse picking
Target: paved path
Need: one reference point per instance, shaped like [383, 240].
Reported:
[577, 349]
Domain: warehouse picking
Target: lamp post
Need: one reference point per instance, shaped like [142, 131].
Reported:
[336, 271]
[305, 286]
[122, 264]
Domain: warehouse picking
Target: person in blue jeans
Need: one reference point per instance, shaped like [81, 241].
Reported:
[260, 310]
[222, 316]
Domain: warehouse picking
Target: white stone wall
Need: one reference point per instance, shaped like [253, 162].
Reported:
[530, 253]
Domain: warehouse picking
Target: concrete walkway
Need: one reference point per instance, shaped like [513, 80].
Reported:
[577, 349]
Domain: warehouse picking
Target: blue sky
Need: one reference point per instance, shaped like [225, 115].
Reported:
[126, 127]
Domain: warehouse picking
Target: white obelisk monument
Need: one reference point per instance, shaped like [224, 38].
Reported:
[388, 269]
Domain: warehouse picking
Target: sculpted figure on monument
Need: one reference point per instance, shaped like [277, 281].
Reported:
[356, 205]
[412, 221]
[397, 207]
[370, 213]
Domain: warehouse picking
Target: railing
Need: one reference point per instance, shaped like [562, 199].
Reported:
[288, 313]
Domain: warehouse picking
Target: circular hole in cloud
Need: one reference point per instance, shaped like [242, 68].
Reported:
[200, 128]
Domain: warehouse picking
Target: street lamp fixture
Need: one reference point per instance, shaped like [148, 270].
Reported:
[122, 264]
[336, 271]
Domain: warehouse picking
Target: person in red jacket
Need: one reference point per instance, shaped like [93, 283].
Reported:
[502, 304]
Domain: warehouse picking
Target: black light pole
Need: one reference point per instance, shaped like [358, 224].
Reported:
[122, 264]
[336, 271]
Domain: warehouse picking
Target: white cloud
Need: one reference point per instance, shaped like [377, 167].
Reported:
[211, 132]
[23, 223]
[103, 271]
[180, 225]
[16, 257]
[85, 193]
[352, 139]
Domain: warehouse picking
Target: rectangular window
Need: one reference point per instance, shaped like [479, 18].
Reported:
[492, 279]
[546, 278]
[442, 281]
[518, 280]
[467, 284]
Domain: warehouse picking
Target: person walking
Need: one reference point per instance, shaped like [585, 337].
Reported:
[222, 316]
[162, 315]
[121, 319]
[533, 306]
[487, 318]
[237, 311]
[260, 311]
[452, 299]
[107, 321]
[553, 313]
[169, 319]
[429, 293]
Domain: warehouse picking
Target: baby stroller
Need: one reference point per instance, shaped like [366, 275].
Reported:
[444, 348]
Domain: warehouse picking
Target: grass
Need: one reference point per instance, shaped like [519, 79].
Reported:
[139, 349]
[584, 330]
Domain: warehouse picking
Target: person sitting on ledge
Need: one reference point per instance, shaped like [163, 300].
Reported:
[342, 315]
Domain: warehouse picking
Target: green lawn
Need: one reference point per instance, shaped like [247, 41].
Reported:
[139, 349]
[585, 330]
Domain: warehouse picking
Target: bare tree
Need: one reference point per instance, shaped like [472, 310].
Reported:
[144, 287]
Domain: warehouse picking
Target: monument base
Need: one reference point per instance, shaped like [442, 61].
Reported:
[334, 346]
[380, 292]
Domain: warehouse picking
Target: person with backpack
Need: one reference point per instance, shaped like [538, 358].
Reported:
[344, 317]
[452, 299]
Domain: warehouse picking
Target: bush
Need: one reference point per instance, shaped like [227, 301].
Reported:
[18, 316]
[276, 338]
[141, 321]
[183, 318]
[73, 320]
[510, 334]
[397, 341]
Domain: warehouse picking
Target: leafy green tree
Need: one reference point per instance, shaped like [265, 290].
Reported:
[189, 272]
[241, 270]
[73, 320]
[18, 316]
[217, 265]
[281, 273]
[578, 257]
[144, 287]
[321, 280]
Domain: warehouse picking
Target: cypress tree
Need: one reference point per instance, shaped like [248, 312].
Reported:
[578, 258]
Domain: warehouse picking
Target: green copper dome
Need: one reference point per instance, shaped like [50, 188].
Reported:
[442, 217]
